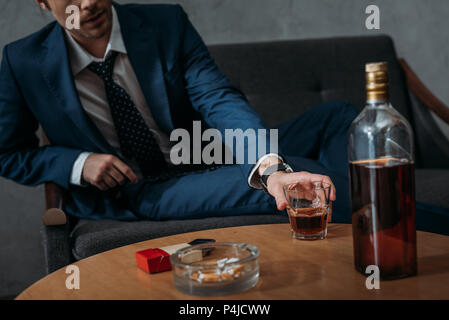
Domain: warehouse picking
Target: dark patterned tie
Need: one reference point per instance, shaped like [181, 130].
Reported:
[136, 140]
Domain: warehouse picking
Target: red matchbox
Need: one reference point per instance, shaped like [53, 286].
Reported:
[153, 260]
[158, 259]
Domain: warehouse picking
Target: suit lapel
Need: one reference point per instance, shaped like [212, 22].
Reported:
[55, 67]
[143, 52]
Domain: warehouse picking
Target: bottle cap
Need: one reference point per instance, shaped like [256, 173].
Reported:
[376, 67]
[377, 81]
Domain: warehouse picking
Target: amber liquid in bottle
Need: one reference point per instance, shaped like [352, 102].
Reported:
[383, 216]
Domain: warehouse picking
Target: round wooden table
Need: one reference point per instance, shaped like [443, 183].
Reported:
[289, 269]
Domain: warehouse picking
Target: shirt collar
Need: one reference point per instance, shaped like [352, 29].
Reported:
[80, 58]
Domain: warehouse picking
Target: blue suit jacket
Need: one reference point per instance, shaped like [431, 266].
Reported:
[178, 78]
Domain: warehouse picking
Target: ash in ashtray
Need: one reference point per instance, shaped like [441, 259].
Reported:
[225, 271]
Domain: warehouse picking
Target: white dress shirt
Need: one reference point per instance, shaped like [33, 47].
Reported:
[93, 99]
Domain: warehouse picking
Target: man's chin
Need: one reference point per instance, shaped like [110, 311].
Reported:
[96, 35]
[93, 34]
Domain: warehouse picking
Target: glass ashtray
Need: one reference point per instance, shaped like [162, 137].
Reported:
[215, 268]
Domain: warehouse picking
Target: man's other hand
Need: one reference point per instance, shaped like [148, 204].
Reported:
[277, 180]
[106, 171]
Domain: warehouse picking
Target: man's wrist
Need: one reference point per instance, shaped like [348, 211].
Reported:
[254, 176]
[271, 170]
[269, 161]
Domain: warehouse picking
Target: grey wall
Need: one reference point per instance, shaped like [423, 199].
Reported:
[420, 29]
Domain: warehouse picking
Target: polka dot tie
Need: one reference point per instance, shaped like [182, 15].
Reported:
[136, 140]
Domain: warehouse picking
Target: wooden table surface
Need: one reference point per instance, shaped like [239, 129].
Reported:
[289, 269]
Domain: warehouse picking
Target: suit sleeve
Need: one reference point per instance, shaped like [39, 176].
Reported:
[221, 104]
[21, 158]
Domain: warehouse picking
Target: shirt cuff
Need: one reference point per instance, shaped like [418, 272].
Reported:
[254, 177]
[77, 170]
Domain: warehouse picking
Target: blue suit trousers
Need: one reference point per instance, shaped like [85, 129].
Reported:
[316, 142]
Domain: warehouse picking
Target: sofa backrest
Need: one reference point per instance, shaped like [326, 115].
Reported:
[283, 79]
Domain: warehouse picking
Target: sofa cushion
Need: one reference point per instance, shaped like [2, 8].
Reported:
[432, 187]
[94, 236]
[432, 196]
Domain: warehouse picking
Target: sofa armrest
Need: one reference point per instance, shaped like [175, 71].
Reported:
[432, 145]
[54, 214]
[57, 226]
[423, 93]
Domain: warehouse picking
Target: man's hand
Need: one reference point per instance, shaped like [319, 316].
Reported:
[106, 171]
[277, 180]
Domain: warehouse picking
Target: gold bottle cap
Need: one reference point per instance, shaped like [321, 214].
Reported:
[376, 67]
[377, 81]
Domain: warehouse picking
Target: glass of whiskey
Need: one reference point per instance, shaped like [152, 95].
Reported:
[308, 209]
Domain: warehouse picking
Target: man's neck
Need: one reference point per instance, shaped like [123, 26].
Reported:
[96, 47]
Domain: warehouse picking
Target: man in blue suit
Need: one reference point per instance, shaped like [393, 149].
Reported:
[109, 94]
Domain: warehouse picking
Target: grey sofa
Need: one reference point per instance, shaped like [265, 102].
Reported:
[281, 80]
